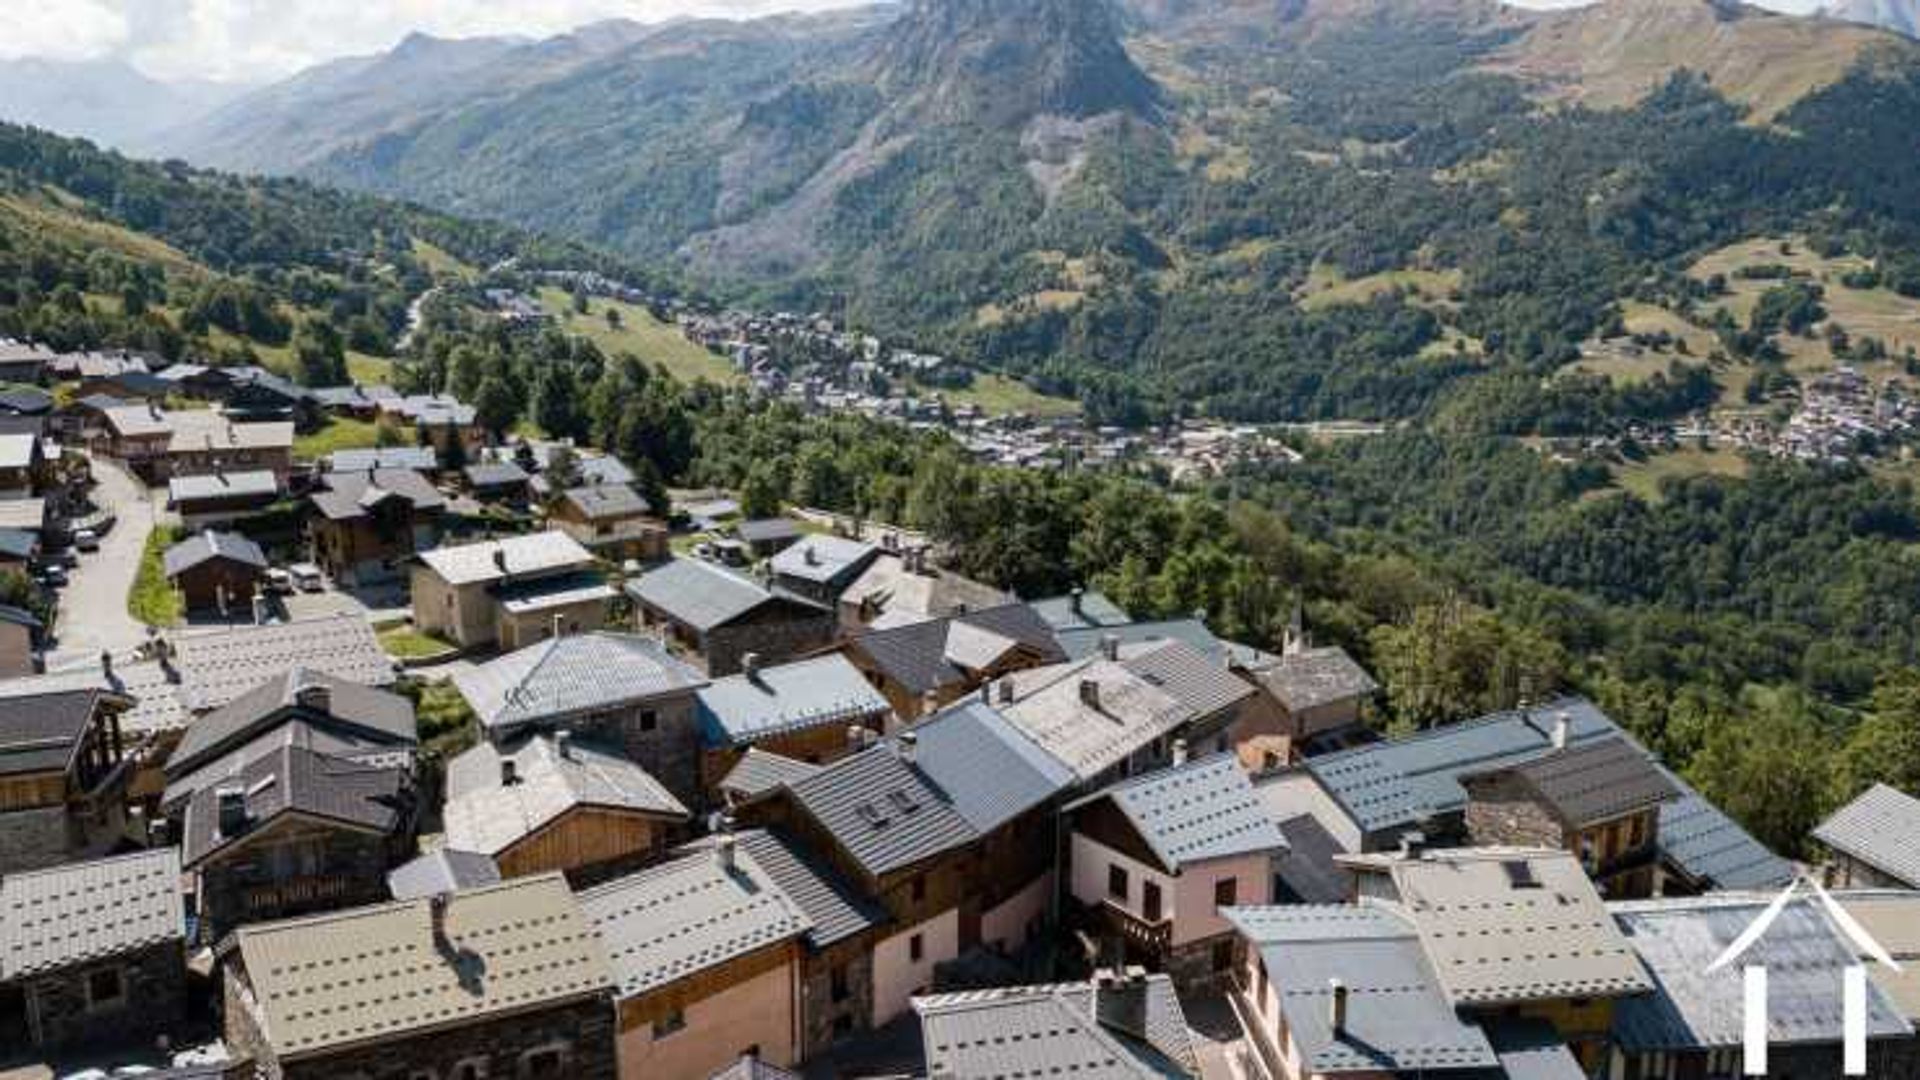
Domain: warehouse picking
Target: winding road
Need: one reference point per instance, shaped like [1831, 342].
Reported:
[93, 607]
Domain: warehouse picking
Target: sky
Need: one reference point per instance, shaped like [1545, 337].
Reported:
[262, 40]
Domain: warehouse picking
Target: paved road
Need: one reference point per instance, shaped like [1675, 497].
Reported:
[93, 607]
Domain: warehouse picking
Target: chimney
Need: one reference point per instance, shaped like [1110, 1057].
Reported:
[106, 667]
[232, 803]
[1110, 646]
[563, 745]
[750, 664]
[909, 743]
[1006, 691]
[559, 627]
[1337, 1007]
[1411, 842]
[1562, 730]
[1179, 752]
[812, 556]
[437, 913]
[509, 772]
[1090, 693]
[312, 695]
[1075, 597]
[856, 738]
[723, 850]
[500, 559]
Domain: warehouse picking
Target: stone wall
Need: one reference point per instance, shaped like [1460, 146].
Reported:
[153, 1000]
[33, 839]
[778, 636]
[292, 868]
[583, 1032]
[1501, 810]
[671, 751]
[823, 1020]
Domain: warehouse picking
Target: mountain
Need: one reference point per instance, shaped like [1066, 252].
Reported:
[107, 101]
[1899, 16]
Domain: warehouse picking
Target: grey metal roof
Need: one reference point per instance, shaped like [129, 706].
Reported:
[1093, 715]
[154, 697]
[605, 501]
[293, 780]
[760, 771]
[888, 585]
[670, 921]
[304, 694]
[443, 870]
[919, 658]
[351, 495]
[42, 732]
[485, 815]
[835, 909]
[1106, 1030]
[1880, 828]
[552, 593]
[1595, 781]
[698, 593]
[884, 813]
[1533, 1050]
[217, 666]
[1086, 641]
[986, 768]
[1315, 677]
[538, 553]
[1202, 810]
[570, 674]
[1891, 917]
[1397, 1016]
[1804, 954]
[87, 911]
[784, 698]
[496, 474]
[422, 458]
[1308, 873]
[210, 545]
[1202, 685]
[212, 487]
[767, 530]
[823, 559]
[1088, 609]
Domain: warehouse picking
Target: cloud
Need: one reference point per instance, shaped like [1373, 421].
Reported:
[62, 29]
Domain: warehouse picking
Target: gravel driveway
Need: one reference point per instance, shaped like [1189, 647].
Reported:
[93, 606]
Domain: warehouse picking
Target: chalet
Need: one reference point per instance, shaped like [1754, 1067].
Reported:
[210, 668]
[559, 466]
[616, 690]
[93, 954]
[93, 365]
[358, 402]
[502, 981]
[1155, 859]
[1120, 1024]
[820, 568]
[901, 588]
[499, 482]
[1081, 609]
[613, 521]
[767, 537]
[63, 777]
[214, 499]
[255, 395]
[1600, 801]
[949, 827]
[138, 435]
[1310, 699]
[24, 471]
[203, 442]
[923, 666]
[510, 592]
[199, 382]
[550, 802]
[717, 617]
[801, 710]
[128, 384]
[369, 524]
[215, 571]
[442, 422]
[23, 362]
[758, 772]
[1873, 841]
[292, 832]
[420, 459]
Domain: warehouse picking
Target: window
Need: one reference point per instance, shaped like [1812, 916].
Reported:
[470, 1069]
[1150, 901]
[1226, 892]
[919, 888]
[544, 1062]
[916, 948]
[1636, 832]
[649, 720]
[839, 985]
[1117, 882]
[106, 989]
[671, 1024]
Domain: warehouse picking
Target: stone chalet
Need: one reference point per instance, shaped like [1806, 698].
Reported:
[801, 710]
[1308, 695]
[1873, 841]
[613, 521]
[718, 617]
[900, 588]
[510, 592]
[92, 954]
[924, 666]
[820, 568]
[502, 981]
[1157, 857]
[368, 524]
[63, 777]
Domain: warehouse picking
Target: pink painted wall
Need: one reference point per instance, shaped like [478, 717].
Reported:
[758, 1012]
[896, 976]
[1091, 859]
[1197, 916]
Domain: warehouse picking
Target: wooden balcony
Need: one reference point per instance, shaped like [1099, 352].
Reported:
[1154, 939]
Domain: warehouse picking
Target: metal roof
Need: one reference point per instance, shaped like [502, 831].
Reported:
[1104, 1030]
[835, 909]
[1700, 840]
[1533, 1050]
[1892, 918]
[1804, 954]
[496, 474]
[698, 593]
[570, 674]
[883, 812]
[1191, 813]
[1093, 715]
[552, 593]
[1880, 828]
[42, 732]
[985, 767]
[767, 530]
[760, 771]
[217, 666]
[1398, 1019]
[822, 559]
[1314, 677]
[1202, 685]
[443, 870]
[785, 698]
[1090, 608]
[693, 913]
[213, 487]
[1509, 925]
[1307, 874]
[889, 585]
[87, 911]
[750, 1067]
[294, 780]
[378, 973]
[1594, 782]
[348, 495]
[604, 501]
[922, 657]
[341, 718]
[539, 553]
[422, 458]
[156, 705]
[485, 815]
[210, 545]
[1086, 641]
[205, 431]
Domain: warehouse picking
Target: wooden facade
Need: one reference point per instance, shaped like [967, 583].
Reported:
[589, 844]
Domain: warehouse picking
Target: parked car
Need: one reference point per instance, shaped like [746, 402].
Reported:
[307, 577]
[279, 581]
[86, 540]
[54, 577]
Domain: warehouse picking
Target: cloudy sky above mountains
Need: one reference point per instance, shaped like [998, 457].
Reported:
[260, 40]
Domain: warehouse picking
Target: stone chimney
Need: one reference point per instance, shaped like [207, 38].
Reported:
[559, 627]
[1337, 1007]
[723, 852]
[1006, 691]
[563, 745]
[312, 694]
[750, 665]
[509, 772]
[232, 803]
[1075, 598]
[856, 737]
[811, 556]
[106, 667]
[909, 744]
[1562, 730]
[1110, 646]
[1120, 1001]
[1090, 693]
[1411, 843]
[1179, 752]
[437, 915]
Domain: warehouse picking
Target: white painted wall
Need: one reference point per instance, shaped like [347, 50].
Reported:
[896, 976]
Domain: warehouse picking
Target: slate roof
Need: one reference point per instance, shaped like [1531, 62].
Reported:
[986, 768]
[213, 487]
[155, 699]
[376, 714]
[203, 431]
[496, 475]
[1068, 1029]
[786, 698]
[823, 559]
[1191, 813]
[293, 780]
[670, 921]
[417, 458]
[374, 974]
[1090, 738]
[1880, 828]
[440, 871]
[699, 594]
[834, 908]
[1398, 1018]
[484, 816]
[1699, 839]
[217, 666]
[768, 530]
[351, 495]
[1315, 677]
[607, 502]
[539, 553]
[887, 585]
[42, 732]
[207, 546]
[1308, 873]
[917, 656]
[1082, 643]
[1206, 687]
[1090, 609]
[1678, 939]
[760, 771]
[87, 911]
[1594, 782]
[570, 674]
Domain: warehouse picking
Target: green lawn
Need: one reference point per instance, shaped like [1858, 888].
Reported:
[1000, 395]
[640, 334]
[339, 433]
[153, 600]
[403, 642]
[1643, 477]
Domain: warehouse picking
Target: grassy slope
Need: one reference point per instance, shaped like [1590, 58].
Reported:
[153, 600]
[339, 433]
[640, 334]
[1643, 478]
